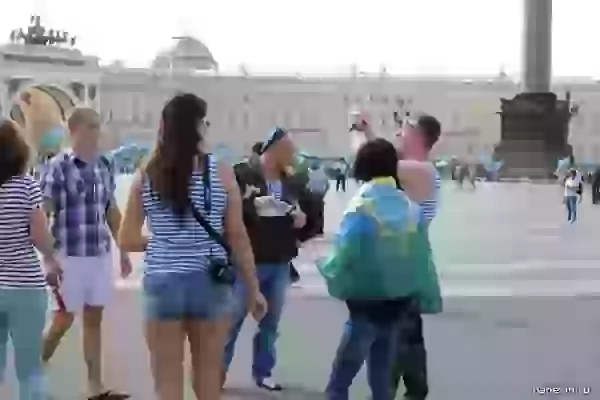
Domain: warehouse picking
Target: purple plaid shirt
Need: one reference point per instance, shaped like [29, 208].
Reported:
[80, 193]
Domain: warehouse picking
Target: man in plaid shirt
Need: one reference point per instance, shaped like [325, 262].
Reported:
[78, 188]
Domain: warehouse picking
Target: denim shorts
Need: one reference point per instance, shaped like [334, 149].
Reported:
[185, 295]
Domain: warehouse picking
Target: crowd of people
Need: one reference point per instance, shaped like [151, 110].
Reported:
[218, 244]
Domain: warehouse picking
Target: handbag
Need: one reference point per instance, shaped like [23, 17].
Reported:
[221, 271]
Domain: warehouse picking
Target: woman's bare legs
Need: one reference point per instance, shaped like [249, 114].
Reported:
[165, 342]
[207, 340]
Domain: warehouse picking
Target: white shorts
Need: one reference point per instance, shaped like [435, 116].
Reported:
[85, 281]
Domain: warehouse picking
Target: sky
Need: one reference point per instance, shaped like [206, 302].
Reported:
[459, 37]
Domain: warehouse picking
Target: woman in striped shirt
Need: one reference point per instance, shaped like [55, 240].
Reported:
[186, 295]
[23, 300]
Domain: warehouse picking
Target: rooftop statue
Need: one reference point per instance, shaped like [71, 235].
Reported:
[37, 34]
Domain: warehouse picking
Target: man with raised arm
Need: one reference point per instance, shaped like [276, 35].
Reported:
[421, 182]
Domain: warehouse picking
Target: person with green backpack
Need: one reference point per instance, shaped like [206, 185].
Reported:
[380, 266]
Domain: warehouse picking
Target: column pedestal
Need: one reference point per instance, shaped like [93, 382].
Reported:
[534, 135]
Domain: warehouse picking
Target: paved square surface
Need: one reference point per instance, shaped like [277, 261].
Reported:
[520, 312]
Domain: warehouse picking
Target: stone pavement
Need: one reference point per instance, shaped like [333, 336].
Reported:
[520, 310]
[480, 348]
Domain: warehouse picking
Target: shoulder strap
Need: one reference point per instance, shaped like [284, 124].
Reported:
[206, 184]
[216, 236]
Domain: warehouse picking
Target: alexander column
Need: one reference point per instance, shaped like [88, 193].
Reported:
[534, 124]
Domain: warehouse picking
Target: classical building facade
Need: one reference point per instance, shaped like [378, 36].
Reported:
[243, 108]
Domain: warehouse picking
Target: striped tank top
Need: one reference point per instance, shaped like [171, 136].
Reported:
[429, 207]
[178, 244]
[19, 263]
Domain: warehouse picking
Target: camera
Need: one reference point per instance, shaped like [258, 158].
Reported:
[221, 272]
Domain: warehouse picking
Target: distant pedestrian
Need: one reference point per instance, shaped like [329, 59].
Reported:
[472, 174]
[340, 180]
[595, 186]
[460, 174]
[318, 185]
[254, 159]
[573, 191]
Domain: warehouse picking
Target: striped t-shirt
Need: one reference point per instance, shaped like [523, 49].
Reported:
[275, 189]
[19, 263]
[178, 244]
[429, 207]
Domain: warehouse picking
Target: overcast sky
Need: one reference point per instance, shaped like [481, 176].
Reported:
[416, 36]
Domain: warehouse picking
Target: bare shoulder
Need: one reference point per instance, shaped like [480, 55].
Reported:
[414, 166]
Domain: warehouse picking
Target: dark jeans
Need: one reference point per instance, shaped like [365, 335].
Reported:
[340, 182]
[411, 356]
[369, 335]
[320, 214]
[595, 192]
[571, 203]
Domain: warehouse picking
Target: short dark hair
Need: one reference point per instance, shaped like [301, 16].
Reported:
[14, 151]
[376, 159]
[257, 147]
[430, 127]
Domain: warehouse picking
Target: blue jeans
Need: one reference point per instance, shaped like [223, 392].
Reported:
[571, 203]
[185, 295]
[364, 340]
[22, 319]
[274, 280]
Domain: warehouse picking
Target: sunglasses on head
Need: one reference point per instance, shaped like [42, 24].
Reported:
[277, 135]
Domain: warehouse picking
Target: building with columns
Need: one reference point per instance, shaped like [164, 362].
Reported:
[243, 108]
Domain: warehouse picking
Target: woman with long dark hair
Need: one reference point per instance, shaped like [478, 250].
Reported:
[23, 299]
[192, 206]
